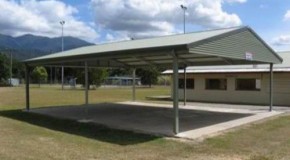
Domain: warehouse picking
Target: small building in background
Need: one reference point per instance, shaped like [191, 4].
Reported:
[121, 81]
[13, 81]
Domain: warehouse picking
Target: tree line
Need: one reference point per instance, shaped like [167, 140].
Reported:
[40, 74]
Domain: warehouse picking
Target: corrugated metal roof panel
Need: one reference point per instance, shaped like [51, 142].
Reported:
[237, 46]
[214, 47]
[173, 40]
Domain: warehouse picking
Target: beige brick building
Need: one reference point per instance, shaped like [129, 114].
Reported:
[237, 84]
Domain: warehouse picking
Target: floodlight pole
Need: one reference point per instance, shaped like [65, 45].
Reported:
[62, 77]
[62, 68]
[184, 8]
[11, 63]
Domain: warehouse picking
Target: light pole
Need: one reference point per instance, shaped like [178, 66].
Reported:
[62, 68]
[184, 8]
[11, 68]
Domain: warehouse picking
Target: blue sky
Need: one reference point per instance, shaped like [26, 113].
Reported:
[266, 17]
[101, 21]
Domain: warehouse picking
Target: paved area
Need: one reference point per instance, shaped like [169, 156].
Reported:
[195, 121]
[238, 106]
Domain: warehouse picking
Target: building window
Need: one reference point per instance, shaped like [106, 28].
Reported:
[216, 84]
[250, 84]
[189, 83]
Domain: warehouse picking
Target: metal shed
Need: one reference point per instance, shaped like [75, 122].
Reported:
[229, 46]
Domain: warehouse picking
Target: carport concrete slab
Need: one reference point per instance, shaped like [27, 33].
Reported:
[213, 130]
[156, 119]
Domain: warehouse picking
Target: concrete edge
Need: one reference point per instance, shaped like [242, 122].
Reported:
[214, 130]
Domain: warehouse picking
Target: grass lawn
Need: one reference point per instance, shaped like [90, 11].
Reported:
[31, 136]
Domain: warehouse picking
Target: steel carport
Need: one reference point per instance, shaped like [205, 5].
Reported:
[229, 46]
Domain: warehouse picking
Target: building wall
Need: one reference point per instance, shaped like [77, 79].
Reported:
[281, 89]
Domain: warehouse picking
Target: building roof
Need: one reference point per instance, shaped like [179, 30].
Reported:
[212, 47]
[283, 67]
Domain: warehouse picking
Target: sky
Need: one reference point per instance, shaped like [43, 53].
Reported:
[103, 21]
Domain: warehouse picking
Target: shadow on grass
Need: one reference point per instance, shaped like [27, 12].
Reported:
[89, 130]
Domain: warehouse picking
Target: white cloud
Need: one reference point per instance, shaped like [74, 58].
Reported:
[117, 36]
[144, 18]
[287, 15]
[236, 1]
[42, 18]
[281, 40]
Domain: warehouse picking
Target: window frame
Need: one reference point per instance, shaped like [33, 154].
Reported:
[236, 84]
[187, 80]
[216, 89]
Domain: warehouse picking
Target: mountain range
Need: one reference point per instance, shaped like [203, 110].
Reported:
[29, 46]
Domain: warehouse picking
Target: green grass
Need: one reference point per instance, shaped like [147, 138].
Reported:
[14, 98]
[31, 136]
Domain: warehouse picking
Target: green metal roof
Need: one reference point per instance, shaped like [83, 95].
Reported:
[212, 47]
[286, 59]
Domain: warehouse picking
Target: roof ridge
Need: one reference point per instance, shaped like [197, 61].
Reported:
[177, 34]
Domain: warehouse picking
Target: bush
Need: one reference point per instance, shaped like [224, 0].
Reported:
[164, 80]
[3, 83]
[96, 76]
[39, 74]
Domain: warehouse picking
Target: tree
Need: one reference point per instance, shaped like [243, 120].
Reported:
[18, 69]
[96, 76]
[149, 75]
[39, 74]
[120, 71]
[164, 80]
[4, 68]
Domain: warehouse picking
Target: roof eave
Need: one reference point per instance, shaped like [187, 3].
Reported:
[89, 56]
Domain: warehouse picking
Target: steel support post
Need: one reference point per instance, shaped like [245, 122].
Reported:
[27, 73]
[55, 77]
[185, 87]
[271, 88]
[50, 75]
[134, 85]
[86, 84]
[175, 95]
